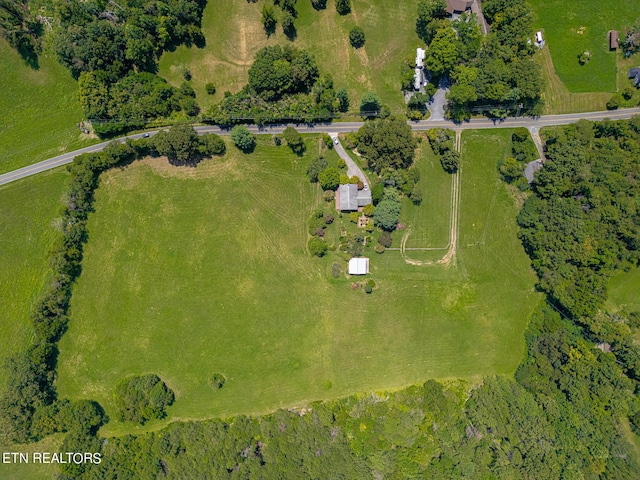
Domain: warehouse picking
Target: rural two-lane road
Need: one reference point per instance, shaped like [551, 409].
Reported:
[334, 128]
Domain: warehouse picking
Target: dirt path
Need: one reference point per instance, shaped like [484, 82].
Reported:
[449, 257]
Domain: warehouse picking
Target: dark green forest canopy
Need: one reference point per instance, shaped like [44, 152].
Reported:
[387, 144]
[583, 221]
[560, 419]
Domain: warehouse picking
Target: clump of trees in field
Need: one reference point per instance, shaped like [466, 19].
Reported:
[113, 49]
[284, 84]
[142, 398]
[494, 74]
[441, 140]
[523, 151]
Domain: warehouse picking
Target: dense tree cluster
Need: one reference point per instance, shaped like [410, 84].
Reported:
[441, 140]
[583, 221]
[142, 398]
[386, 144]
[495, 73]
[523, 151]
[112, 49]
[243, 138]
[284, 84]
[387, 213]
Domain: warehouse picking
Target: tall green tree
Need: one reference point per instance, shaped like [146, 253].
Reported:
[442, 54]
[243, 138]
[180, 143]
[387, 144]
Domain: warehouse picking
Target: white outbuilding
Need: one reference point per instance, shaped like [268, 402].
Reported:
[358, 266]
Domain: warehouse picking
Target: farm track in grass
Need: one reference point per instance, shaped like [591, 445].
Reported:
[197, 276]
[454, 215]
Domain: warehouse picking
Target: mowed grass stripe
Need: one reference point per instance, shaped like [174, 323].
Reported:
[28, 209]
[194, 271]
[429, 222]
[234, 33]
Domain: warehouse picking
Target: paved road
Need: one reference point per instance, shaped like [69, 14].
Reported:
[343, 127]
[352, 167]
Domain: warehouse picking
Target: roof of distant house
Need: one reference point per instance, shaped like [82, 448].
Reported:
[613, 39]
[351, 198]
[454, 6]
[358, 266]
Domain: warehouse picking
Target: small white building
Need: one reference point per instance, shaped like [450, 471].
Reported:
[358, 266]
[418, 76]
[539, 39]
[420, 56]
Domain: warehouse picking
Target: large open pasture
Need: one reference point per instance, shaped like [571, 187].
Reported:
[571, 28]
[39, 109]
[28, 209]
[234, 33]
[191, 271]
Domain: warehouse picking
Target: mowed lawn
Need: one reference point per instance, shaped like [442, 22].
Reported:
[624, 291]
[28, 209]
[194, 271]
[39, 111]
[430, 221]
[571, 28]
[234, 33]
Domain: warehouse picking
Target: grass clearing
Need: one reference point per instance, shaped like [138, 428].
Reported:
[32, 471]
[39, 111]
[204, 270]
[430, 221]
[582, 26]
[390, 37]
[28, 208]
[624, 291]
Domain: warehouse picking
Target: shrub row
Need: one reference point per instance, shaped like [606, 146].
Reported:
[28, 407]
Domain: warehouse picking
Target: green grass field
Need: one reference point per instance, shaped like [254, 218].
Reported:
[430, 221]
[234, 34]
[37, 471]
[194, 271]
[579, 26]
[624, 291]
[28, 208]
[39, 111]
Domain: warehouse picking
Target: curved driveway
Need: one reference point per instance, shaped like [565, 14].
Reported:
[343, 127]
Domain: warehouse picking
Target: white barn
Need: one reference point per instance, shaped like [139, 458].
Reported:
[358, 266]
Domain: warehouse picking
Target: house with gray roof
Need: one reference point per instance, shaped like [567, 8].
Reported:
[350, 199]
[634, 73]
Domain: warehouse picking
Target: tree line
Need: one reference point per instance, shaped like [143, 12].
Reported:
[29, 407]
